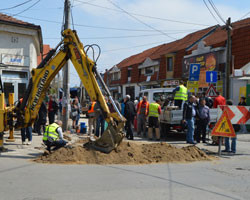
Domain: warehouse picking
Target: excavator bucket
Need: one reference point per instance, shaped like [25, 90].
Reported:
[110, 139]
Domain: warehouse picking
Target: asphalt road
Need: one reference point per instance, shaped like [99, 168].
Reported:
[226, 178]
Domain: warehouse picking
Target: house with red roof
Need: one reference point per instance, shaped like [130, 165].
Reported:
[166, 64]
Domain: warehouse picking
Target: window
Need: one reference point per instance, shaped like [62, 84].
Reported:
[170, 64]
[14, 74]
[116, 76]
[129, 73]
[162, 95]
[149, 70]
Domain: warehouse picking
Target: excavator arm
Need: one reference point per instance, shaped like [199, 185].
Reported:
[25, 113]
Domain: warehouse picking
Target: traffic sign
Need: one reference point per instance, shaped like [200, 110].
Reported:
[223, 127]
[192, 86]
[194, 71]
[211, 76]
[211, 92]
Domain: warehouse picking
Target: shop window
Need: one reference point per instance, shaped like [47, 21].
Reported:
[14, 74]
[170, 64]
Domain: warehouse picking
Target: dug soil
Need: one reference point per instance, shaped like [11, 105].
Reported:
[131, 153]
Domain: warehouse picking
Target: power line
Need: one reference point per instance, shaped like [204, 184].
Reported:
[245, 15]
[136, 14]
[210, 11]
[216, 11]
[133, 46]
[27, 8]
[88, 26]
[125, 36]
[16, 5]
[151, 27]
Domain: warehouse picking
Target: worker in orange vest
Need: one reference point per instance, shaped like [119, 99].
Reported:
[142, 113]
[91, 118]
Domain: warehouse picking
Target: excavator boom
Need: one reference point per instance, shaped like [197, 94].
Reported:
[69, 48]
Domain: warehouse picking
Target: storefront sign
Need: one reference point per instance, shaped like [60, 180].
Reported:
[208, 62]
[171, 83]
[9, 59]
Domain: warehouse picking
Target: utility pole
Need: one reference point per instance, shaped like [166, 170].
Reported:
[66, 71]
[229, 55]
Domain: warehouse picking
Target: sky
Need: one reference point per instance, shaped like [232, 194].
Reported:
[124, 27]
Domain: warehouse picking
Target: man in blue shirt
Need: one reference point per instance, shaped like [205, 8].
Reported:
[203, 118]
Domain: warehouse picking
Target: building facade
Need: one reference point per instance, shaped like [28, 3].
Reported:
[167, 64]
[20, 45]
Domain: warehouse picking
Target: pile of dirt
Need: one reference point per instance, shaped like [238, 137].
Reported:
[127, 153]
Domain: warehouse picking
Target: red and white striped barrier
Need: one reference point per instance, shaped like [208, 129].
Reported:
[236, 114]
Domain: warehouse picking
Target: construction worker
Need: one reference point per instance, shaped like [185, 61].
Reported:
[91, 118]
[153, 120]
[181, 95]
[142, 113]
[53, 136]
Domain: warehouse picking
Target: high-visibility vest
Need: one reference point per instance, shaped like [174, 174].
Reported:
[181, 94]
[139, 107]
[153, 110]
[92, 108]
[50, 132]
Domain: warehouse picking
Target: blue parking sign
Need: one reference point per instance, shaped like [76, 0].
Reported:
[194, 71]
[211, 76]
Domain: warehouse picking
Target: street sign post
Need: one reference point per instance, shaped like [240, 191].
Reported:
[211, 76]
[194, 72]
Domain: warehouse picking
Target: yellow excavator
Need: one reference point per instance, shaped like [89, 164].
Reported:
[70, 47]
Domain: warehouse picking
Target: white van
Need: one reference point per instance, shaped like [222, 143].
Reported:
[156, 93]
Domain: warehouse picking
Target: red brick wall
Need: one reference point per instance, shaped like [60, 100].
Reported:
[163, 68]
[241, 47]
[135, 74]
[124, 75]
[178, 63]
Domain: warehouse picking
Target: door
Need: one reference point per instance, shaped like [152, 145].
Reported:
[8, 88]
[21, 90]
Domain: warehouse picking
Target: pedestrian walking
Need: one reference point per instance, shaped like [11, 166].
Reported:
[153, 119]
[188, 117]
[142, 113]
[233, 140]
[100, 121]
[129, 114]
[53, 136]
[52, 109]
[42, 119]
[79, 110]
[219, 100]
[209, 100]
[181, 94]
[91, 118]
[203, 115]
[242, 102]
[75, 112]
[26, 133]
